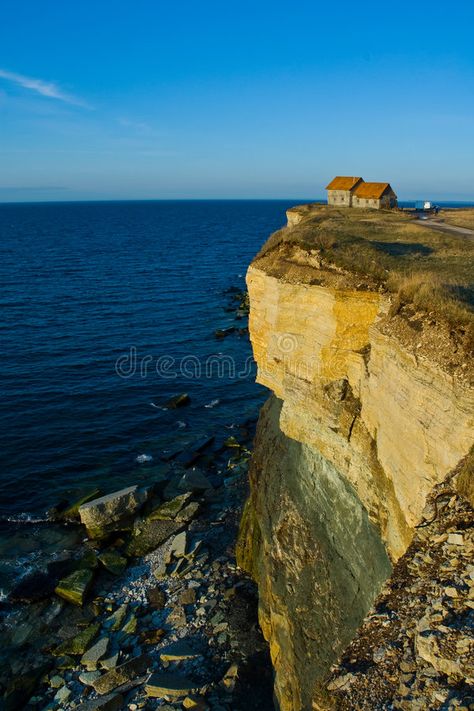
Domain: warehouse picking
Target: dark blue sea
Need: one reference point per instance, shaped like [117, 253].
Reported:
[107, 310]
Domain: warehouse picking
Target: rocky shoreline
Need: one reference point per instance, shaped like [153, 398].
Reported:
[150, 609]
[158, 595]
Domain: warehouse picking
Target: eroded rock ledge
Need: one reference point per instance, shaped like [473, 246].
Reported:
[361, 428]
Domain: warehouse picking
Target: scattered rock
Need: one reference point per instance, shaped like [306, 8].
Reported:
[148, 534]
[115, 620]
[131, 625]
[187, 597]
[89, 677]
[178, 545]
[152, 636]
[75, 587]
[122, 674]
[195, 703]
[177, 401]
[62, 695]
[456, 539]
[78, 644]
[177, 617]
[111, 702]
[113, 561]
[224, 332]
[168, 684]
[188, 512]
[56, 681]
[231, 442]
[156, 598]
[194, 481]
[170, 509]
[177, 652]
[109, 663]
[98, 650]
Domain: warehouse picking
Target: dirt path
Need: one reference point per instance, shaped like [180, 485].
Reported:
[443, 227]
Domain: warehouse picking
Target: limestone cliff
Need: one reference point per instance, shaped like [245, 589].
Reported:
[363, 422]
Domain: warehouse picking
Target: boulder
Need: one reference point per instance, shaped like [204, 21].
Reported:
[75, 587]
[177, 401]
[194, 481]
[149, 534]
[126, 672]
[168, 684]
[113, 561]
[71, 512]
[113, 512]
[223, 332]
[78, 644]
[170, 509]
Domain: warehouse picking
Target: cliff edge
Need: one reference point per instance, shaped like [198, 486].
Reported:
[361, 328]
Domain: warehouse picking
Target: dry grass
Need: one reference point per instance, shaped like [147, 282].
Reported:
[461, 217]
[427, 292]
[432, 270]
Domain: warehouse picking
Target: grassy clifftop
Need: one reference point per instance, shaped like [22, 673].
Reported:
[431, 271]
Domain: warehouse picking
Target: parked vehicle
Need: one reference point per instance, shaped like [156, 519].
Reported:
[426, 206]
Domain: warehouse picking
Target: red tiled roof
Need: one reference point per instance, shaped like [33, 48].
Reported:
[343, 183]
[371, 190]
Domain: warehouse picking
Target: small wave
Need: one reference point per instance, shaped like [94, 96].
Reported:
[213, 403]
[158, 407]
[142, 458]
[182, 424]
[24, 518]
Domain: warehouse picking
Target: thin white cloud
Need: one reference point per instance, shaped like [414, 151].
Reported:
[45, 88]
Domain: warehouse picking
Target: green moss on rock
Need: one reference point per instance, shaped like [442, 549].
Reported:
[75, 587]
[78, 644]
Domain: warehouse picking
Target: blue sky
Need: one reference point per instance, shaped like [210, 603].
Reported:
[152, 99]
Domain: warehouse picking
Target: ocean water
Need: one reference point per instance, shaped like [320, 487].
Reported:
[107, 310]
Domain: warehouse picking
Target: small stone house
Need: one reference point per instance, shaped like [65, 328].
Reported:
[340, 190]
[375, 195]
[355, 192]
